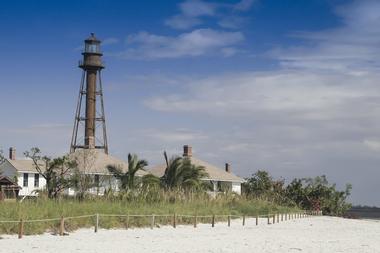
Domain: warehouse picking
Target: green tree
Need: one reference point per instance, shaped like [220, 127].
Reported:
[150, 180]
[181, 173]
[55, 171]
[127, 179]
[259, 185]
[317, 194]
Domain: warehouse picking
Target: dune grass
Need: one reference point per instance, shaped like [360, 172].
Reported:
[161, 203]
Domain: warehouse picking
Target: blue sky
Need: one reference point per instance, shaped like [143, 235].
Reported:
[288, 86]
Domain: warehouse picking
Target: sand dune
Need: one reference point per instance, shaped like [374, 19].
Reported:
[314, 234]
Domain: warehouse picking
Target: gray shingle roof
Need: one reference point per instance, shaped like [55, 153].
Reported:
[214, 173]
[89, 161]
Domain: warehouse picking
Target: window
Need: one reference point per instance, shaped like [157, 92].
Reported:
[25, 181]
[97, 180]
[36, 180]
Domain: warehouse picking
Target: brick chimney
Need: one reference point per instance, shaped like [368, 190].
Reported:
[228, 168]
[187, 151]
[12, 153]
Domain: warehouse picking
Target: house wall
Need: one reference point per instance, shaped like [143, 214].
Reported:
[236, 187]
[106, 182]
[9, 171]
[223, 186]
[30, 189]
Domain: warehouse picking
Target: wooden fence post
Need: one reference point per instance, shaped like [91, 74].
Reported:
[96, 222]
[282, 217]
[274, 218]
[268, 220]
[127, 222]
[152, 222]
[243, 220]
[174, 221]
[278, 218]
[62, 226]
[21, 229]
[195, 221]
[229, 220]
[213, 221]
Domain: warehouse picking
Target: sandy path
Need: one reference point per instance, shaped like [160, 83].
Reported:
[316, 234]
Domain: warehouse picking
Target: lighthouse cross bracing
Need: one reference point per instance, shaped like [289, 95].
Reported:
[88, 119]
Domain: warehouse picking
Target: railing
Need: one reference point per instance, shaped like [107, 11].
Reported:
[271, 219]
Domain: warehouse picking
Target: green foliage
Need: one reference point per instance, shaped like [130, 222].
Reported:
[55, 171]
[139, 201]
[308, 193]
[127, 179]
[181, 173]
[317, 194]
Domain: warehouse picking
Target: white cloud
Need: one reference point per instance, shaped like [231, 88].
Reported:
[192, 13]
[196, 43]
[244, 5]
[177, 135]
[110, 41]
[197, 8]
[182, 22]
[372, 144]
[302, 93]
[350, 48]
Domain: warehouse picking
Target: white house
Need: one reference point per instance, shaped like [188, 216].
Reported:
[90, 162]
[223, 180]
[24, 173]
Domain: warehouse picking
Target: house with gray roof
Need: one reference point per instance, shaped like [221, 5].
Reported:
[222, 180]
[89, 161]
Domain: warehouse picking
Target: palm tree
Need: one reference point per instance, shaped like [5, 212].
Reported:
[127, 179]
[180, 172]
[150, 180]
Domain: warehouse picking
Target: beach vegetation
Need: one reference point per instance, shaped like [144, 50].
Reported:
[305, 193]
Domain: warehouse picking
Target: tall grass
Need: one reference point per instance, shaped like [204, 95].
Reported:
[156, 201]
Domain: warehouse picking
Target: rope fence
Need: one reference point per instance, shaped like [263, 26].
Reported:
[271, 219]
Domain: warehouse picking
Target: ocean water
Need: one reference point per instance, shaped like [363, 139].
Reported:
[364, 213]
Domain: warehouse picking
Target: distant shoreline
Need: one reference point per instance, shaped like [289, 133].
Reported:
[359, 212]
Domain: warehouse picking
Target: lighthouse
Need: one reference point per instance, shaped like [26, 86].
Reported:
[89, 130]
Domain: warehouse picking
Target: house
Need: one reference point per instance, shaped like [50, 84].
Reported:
[91, 162]
[23, 172]
[222, 180]
[8, 188]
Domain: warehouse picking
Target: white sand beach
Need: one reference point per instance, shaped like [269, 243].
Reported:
[314, 234]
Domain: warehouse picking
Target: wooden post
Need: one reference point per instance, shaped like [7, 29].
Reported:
[257, 220]
[127, 222]
[62, 226]
[213, 221]
[243, 220]
[96, 222]
[274, 218]
[195, 221]
[268, 220]
[20, 229]
[229, 220]
[174, 221]
[152, 222]
[282, 217]
[278, 218]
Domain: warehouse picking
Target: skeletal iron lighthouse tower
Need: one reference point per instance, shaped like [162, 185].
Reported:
[91, 119]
